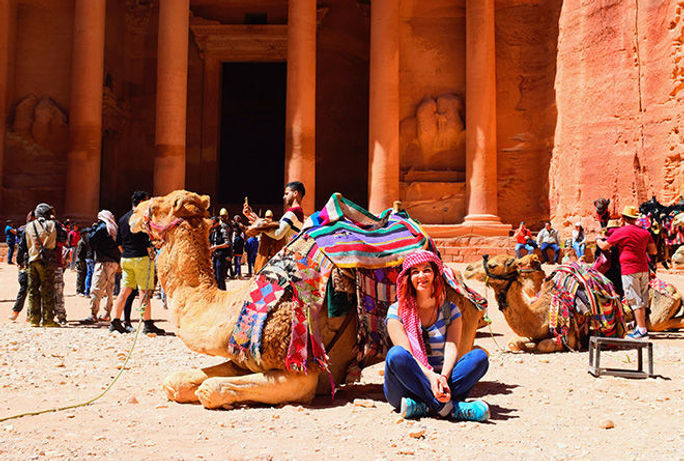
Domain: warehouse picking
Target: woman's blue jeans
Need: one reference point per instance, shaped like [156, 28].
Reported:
[404, 377]
[579, 249]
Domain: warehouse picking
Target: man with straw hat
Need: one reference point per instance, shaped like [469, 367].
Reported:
[635, 243]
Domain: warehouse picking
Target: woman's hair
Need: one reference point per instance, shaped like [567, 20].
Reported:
[406, 290]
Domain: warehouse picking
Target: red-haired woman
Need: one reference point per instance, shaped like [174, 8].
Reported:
[422, 375]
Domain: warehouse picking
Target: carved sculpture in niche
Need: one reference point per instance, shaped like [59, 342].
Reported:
[36, 146]
[43, 122]
[434, 140]
[433, 161]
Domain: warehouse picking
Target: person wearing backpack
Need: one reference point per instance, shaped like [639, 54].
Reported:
[102, 238]
[41, 239]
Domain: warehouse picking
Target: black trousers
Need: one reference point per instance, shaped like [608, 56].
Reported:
[22, 277]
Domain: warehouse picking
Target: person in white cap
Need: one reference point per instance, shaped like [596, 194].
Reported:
[578, 240]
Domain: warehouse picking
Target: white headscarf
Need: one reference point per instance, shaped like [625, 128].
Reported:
[107, 217]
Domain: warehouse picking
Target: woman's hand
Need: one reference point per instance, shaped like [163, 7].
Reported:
[440, 387]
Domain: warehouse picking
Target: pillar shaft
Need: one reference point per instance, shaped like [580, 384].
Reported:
[4, 55]
[85, 113]
[481, 162]
[300, 137]
[172, 84]
[383, 153]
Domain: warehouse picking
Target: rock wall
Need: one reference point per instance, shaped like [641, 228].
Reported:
[619, 95]
[526, 37]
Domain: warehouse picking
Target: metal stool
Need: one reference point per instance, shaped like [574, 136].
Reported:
[595, 344]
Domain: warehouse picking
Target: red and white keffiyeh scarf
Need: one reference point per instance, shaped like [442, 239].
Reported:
[408, 308]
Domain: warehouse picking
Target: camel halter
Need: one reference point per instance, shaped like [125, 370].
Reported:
[500, 296]
[154, 228]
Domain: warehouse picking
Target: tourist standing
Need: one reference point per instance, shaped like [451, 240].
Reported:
[238, 250]
[60, 263]
[635, 244]
[72, 243]
[548, 238]
[41, 239]
[137, 266]
[80, 263]
[291, 222]
[102, 238]
[10, 239]
[251, 248]
[221, 241]
[22, 265]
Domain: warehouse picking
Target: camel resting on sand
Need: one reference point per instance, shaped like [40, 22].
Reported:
[206, 317]
[524, 297]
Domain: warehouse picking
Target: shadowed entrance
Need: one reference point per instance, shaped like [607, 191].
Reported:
[252, 147]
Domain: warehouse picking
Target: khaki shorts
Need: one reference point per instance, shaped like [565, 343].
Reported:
[137, 273]
[636, 289]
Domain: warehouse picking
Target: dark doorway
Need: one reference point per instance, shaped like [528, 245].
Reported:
[252, 149]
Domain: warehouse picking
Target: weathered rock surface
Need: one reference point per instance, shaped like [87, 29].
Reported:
[619, 96]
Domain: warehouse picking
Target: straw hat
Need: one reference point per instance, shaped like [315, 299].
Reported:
[223, 212]
[630, 212]
[613, 223]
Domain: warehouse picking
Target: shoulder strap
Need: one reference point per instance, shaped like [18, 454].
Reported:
[35, 231]
[446, 312]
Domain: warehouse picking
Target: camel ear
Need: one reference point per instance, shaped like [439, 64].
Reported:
[191, 206]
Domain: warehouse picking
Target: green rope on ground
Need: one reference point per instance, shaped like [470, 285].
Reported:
[94, 399]
[141, 309]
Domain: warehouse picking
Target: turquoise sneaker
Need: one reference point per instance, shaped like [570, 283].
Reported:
[477, 410]
[638, 333]
[410, 409]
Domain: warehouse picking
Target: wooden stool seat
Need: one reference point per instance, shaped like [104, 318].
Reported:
[595, 344]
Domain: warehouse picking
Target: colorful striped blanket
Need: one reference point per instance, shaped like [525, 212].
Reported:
[352, 237]
[584, 299]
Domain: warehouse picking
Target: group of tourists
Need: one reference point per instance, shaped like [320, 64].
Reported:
[104, 255]
[228, 248]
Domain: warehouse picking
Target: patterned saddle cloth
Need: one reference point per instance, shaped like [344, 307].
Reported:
[585, 299]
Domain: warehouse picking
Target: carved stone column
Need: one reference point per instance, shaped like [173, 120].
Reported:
[4, 56]
[300, 117]
[172, 83]
[85, 118]
[383, 153]
[481, 169]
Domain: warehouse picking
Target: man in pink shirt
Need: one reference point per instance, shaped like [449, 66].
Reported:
[635, 244]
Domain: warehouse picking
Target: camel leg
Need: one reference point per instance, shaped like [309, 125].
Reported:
[521, 344]
[669, 324]
[271, 387]
[548, 345]
[180, 386]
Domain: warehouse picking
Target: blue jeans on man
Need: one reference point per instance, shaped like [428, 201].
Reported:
[90, 270]
[405, 378]
[520, 246]
[554, 247]
[10, 252]
[221, 271]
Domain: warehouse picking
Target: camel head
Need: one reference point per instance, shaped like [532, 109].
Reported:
[261, 225]
[500, 271]
[159, 215]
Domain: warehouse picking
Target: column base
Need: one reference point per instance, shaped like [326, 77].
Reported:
[485, 224]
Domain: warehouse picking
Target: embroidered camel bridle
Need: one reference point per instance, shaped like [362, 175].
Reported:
[501, 295]
[154, 229]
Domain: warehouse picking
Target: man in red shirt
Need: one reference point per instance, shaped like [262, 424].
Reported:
[635, 243]
[523, 239]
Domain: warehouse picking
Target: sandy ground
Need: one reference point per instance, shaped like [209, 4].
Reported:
[542, 405]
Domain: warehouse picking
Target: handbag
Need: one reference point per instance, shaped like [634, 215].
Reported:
[602, 263]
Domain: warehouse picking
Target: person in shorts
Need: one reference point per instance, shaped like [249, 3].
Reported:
[137, 266]
[635, 244]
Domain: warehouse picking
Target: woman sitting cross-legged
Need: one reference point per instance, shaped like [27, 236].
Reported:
[422, 374]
